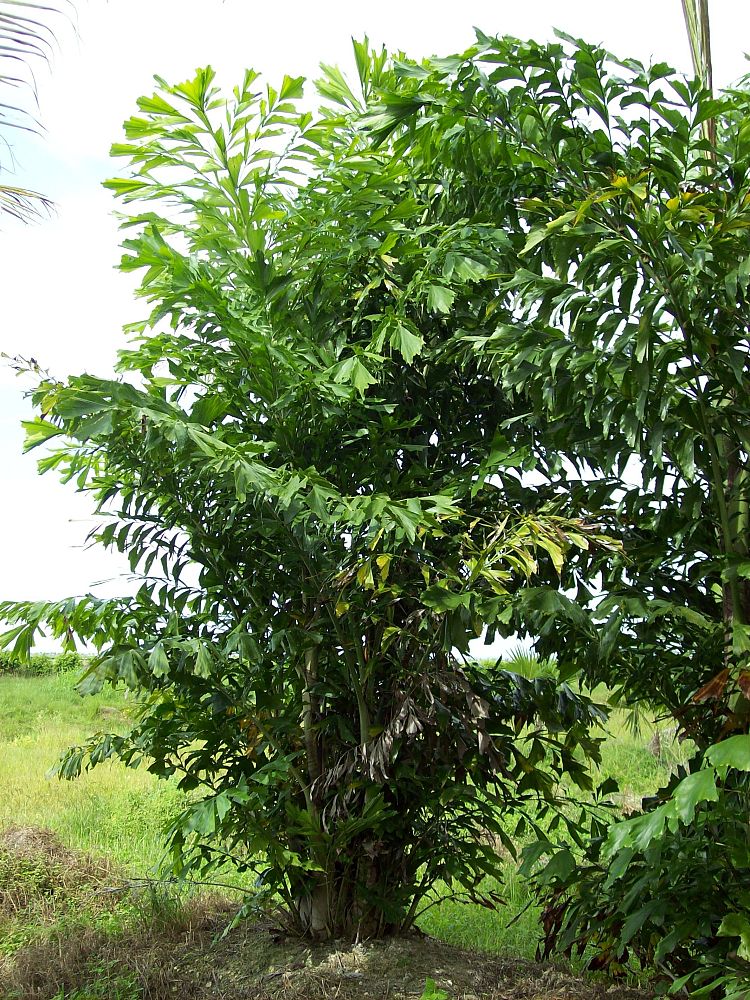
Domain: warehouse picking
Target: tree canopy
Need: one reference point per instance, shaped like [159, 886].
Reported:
[619, 325]
[620, 328]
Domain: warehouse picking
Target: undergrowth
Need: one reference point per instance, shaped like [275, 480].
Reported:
[67, 916]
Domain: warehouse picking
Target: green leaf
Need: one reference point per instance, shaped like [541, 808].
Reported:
[431, 991]
[292, 88]
[38, 431]
[732, 752]
[459, 267]
[204, 663]
[124, 186]
[158, 663]
[441, 599]
[440, 299]
[534, 238]
[202, 818]
[737, 925]
[740, 638]
[691, 791]
[559, 867]
[361, 377]
[636, 920]
[79, 404]
[408, 344]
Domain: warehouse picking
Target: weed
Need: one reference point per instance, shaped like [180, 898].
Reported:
[431, 992]
[106, 984]
[41, 663]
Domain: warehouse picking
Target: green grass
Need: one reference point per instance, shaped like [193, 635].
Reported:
[629, 757]
[112, 810]
[512, 929]
[121, 813]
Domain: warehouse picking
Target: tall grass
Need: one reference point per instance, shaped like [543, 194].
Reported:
[111, 810]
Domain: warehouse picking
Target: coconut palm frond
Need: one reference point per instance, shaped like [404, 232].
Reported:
[528, 663]
[17, 116]
[699, 36]
[23, 204]
[27, 37]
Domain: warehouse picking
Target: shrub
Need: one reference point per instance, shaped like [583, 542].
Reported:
[668, 890]
[41, 664]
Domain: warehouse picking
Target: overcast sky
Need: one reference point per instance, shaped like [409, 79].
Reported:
[63, 302]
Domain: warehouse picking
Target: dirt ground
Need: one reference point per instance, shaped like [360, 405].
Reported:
[253, 965]
[59, 901]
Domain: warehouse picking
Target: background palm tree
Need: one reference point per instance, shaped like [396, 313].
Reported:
[26, 40]
[699, 36]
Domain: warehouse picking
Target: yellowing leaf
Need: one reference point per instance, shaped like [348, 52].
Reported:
[384, 565]
[554, 551]
[364, 576]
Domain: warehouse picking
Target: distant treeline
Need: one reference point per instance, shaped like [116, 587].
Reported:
[41, 663]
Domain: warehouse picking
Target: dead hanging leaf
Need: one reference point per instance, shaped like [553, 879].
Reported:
[714, 689]
[479, 708]
[743, 682]
[734, 724]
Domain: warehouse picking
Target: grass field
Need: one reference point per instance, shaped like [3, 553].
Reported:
[121, 813]
[112, 810]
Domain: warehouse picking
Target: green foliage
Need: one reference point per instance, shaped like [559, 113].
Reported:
[431, 991]
[669, 888]
[618, 319]
[368, 329]
[323, 509]
[121, 813]
[619, 314]
[527, 663]
[107, 984]
[41, 663]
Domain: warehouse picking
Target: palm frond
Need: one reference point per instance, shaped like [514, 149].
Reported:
[698, 27]
[27, 38]
[699, 36]
[23, 204]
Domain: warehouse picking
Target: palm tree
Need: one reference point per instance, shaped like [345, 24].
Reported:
[699, 36]
[25, 40]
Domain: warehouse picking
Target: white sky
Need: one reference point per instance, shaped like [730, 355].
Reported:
[62, 301]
